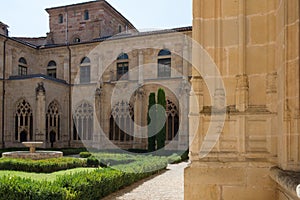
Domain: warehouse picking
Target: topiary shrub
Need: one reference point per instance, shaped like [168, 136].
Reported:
[85, 154]
[161, 136]
[92, 161]
[151, 130]
[41, 166]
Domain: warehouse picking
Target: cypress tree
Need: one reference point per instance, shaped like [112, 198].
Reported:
[161, 136]
[151, 129]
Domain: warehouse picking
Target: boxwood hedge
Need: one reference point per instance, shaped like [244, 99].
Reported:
[41, 166]
[82, 185]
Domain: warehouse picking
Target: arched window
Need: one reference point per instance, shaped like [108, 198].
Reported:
[120, 28]
[164, 63]
[83, 118]
[22, 67]
[76, 40]
[122, 66]
[60, 18]
[172, 123]
[86, 15]
[85, 70]
[23, 122]
[122, 115]
[51, 69]
[53, 123]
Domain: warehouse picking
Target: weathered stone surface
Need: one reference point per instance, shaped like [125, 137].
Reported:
[256, 48]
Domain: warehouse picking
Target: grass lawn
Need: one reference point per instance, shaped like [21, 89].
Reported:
[43, 176]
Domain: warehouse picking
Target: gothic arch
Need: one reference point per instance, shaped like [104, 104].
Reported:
[23, 121]
[83, 118]
[53, 123]
[172, 122]
[121, 114]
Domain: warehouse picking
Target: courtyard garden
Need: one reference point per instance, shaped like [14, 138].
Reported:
[85, 176]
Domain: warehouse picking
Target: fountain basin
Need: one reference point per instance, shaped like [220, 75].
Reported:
[38, 155]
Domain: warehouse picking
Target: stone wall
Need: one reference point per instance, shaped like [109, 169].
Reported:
[255, 46]
[142, 51]
[103, 21]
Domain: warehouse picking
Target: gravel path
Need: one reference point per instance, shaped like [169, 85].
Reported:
[167, 185]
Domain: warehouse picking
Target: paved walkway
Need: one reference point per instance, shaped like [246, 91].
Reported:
[165, 186]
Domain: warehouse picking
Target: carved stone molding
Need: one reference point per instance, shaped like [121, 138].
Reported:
[40, 89]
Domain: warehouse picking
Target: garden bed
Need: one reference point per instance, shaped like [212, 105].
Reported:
[124, 170]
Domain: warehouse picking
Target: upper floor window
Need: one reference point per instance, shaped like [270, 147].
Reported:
[51, 69]
[120, 28]
[60, 18]
[122, 66]
[85, 70]
[22, 67]
[76, 40]
[164, 63]
[86, 15]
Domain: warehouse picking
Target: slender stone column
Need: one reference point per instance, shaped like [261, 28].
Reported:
[40, 133]
[138, 115]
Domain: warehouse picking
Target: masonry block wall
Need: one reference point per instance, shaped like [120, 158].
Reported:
[101, 21]
[255, 46]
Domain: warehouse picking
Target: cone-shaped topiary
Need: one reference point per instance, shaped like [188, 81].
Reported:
[161, 136]
[151, 129]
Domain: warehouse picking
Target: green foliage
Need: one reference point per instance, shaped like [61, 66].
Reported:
[70, 151]
[85, 185]
[101, 182]
[85, 154]
[151, 130]
[112, 159]
[174, 158]
[15, 188]
[161, 136]
[41, 166]
[92, 162]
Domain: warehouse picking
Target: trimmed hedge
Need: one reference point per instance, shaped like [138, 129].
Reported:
[16, 188]
[41, 166]
[82, 185]
[85, 154]
[101, 182]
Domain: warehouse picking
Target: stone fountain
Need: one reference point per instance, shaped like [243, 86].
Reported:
[32, 153]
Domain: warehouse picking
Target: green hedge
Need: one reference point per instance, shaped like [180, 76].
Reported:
[16, 188]
[82, 185]
[85, 154]
[101, 182]
[41, 166]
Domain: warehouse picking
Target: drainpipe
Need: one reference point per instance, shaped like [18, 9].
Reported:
[70, 97]
[70, 85]
[3, 90]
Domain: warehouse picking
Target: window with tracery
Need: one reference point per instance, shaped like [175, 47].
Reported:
[83, 118]
[172, 123]
[121, 126]
[53, 122]
[23, 122]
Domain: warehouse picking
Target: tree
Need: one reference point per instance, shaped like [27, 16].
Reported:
[151, 129]
[161, 114]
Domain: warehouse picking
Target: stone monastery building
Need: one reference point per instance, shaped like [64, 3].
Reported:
[71, 87]
[94, 72]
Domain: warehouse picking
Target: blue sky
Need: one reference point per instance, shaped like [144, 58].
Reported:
[28, 18]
